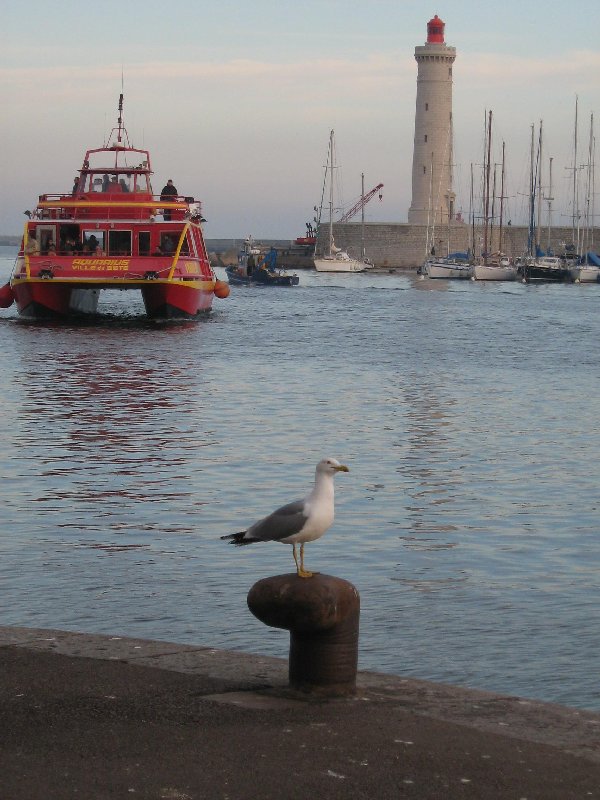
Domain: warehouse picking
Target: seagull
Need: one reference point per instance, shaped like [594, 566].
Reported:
[298, 522]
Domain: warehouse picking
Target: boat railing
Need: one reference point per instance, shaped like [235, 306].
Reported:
[116, 205]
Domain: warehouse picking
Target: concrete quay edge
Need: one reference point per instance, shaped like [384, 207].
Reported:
[260, 682]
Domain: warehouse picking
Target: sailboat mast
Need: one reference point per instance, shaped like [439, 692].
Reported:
[487, 190]
[362, 214]
[592, 180]
[575, 203]
[331, 161]
[472, 215]
[530, 250]
[430, 227]
[589, 192]
[549, 199]
[501, 202]
[539, 191]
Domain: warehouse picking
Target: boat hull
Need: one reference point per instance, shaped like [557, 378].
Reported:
[52, 299]
[489, 272]
[533, 273]
[448, 271]
[588, 274]
[261, 277]
[339, 265]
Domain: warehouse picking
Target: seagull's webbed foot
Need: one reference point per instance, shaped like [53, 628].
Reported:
[302, 573]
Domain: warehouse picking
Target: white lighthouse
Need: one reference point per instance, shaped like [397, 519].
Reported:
[432, 195]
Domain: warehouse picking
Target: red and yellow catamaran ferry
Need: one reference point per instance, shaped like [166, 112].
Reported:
[112, 232]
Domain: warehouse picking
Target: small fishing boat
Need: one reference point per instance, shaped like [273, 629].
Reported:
[112, 232]
[257, 267]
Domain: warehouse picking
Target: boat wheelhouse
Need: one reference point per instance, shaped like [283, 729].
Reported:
[112, 232]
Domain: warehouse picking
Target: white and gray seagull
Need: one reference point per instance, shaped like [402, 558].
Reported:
[298, 522]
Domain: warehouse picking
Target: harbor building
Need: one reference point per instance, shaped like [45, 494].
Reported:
[432, 195]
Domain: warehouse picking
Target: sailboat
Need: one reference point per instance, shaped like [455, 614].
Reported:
[452, 265]
[539, 267]
[335, 259]
[493, 266]
[589, 270]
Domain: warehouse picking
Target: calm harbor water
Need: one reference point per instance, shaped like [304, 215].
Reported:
[467, 413]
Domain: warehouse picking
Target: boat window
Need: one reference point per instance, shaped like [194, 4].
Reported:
[126, 182]
[119, 243]
[93, 242]
[141, 183]
[46, 235]
[69, 238]
[168, 243]
[144, 243]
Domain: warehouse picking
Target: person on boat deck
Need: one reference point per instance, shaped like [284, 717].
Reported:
[51, 249]
[167, 245]
[75, 185]
[123, 185]
[114, 185]
[168, 194]
[158, 251]
[69, 245]
[92, 243]
[32, 248]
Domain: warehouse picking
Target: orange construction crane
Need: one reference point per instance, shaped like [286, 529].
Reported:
[361, 203]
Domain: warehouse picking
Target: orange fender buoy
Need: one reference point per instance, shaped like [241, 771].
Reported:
[7, 296]
[221, 289]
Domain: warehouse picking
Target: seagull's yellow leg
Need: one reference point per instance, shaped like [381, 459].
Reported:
[295, 557]
[302, 572]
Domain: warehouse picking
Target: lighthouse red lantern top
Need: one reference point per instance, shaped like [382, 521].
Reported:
[435, 31]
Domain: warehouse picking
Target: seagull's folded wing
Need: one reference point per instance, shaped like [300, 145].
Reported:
[284, 522]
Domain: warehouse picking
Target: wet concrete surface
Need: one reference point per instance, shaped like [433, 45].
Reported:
[89, 716]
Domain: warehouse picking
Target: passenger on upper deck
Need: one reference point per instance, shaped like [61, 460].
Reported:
[114, 185]
[168, 194]
[32, 248]
[75, 185]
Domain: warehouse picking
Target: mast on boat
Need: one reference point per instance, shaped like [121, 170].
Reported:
[362, 216]
[539, 193]
[501, 203]
[486, 201]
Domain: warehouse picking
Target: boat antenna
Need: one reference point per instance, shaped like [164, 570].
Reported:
[119, 134]
[120, 118]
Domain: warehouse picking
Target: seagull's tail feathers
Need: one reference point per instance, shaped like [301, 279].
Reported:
[238, 539]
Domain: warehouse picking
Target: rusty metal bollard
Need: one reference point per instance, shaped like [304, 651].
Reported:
[322, 616]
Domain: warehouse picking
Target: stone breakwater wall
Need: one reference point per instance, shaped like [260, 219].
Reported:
[402, 245]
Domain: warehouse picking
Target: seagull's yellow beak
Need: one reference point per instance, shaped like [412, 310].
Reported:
[342, 468]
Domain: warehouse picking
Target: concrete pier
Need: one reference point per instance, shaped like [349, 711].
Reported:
[110, 717]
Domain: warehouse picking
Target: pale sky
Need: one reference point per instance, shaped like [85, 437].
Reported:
[235, 99]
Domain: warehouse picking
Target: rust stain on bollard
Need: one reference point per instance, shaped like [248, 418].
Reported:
[322, 616]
